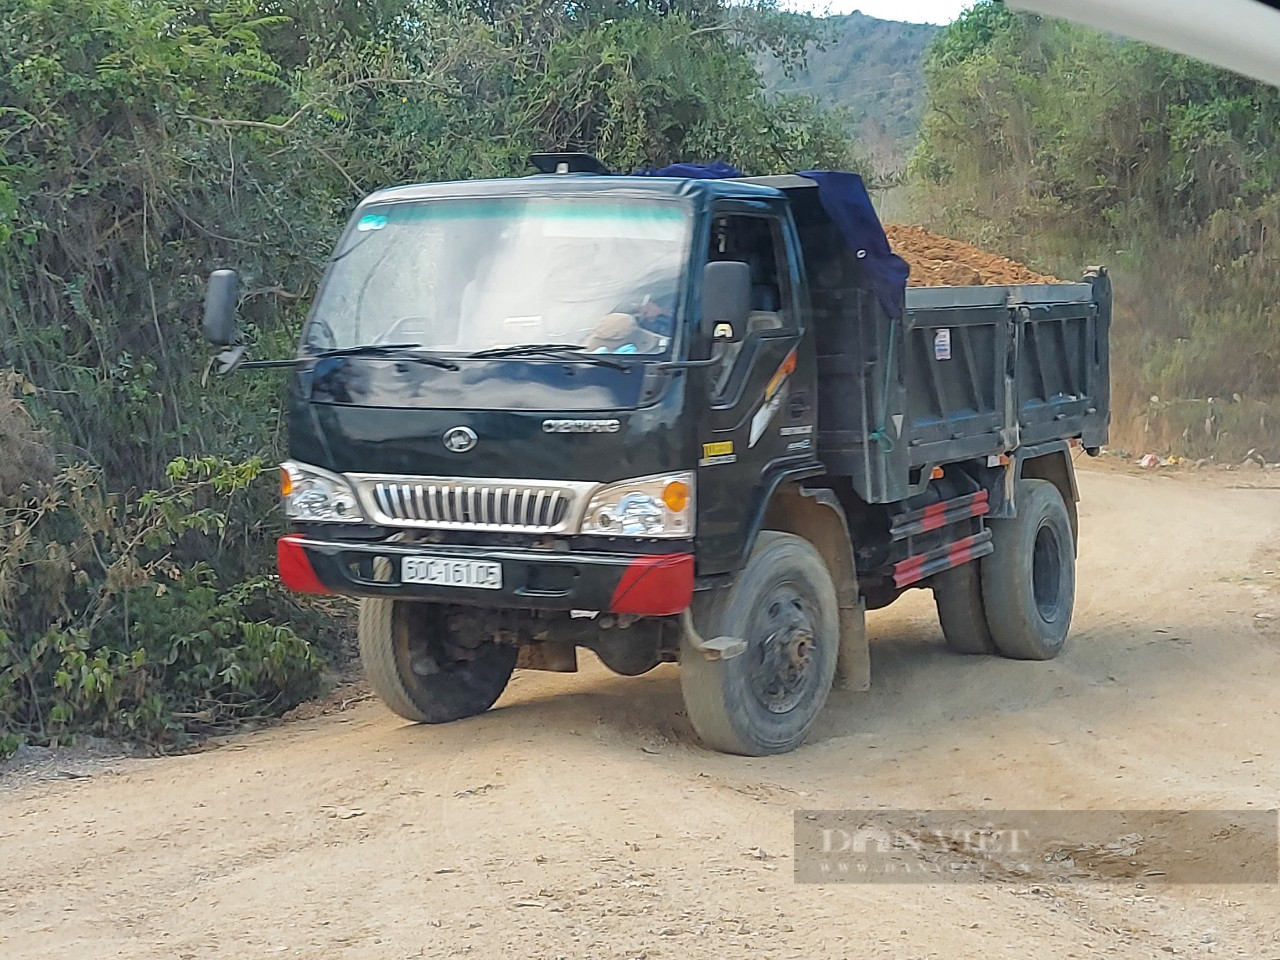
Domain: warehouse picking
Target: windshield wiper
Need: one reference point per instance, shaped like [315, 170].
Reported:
[515, 351]
[394, 351]
[555, 350]
[351, 248]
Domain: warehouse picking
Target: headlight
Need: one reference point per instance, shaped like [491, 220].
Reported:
[660, 506]
[317, 496]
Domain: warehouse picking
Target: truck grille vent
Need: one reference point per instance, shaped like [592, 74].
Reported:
[520, 508]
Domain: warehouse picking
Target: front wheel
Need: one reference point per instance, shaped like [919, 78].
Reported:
[420, 671]
[765, 700]
[1029, 581]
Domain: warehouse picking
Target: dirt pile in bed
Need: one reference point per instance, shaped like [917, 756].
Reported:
[942, 262]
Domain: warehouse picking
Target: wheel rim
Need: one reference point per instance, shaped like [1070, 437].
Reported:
[1046, 573]
[782, 641]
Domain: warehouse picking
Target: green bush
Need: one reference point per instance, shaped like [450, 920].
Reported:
[105, 632]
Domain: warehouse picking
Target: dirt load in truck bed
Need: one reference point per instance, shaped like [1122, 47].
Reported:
[942, 262]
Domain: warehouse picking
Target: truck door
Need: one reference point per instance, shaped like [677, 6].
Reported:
[761, 418]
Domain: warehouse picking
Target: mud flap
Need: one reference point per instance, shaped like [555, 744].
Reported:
[719, 648]
[853, 662]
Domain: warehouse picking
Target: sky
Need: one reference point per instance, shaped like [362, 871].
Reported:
[914, 11]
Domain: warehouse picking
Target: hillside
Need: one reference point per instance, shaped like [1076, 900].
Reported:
[872, 69]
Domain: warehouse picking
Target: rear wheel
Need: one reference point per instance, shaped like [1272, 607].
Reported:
[1029, 581]
[958, 595]
[420, 671]
[764, 700]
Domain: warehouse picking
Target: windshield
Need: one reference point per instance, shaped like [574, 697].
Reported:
[460, 276]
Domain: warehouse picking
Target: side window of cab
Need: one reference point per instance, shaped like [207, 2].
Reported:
[756, 240]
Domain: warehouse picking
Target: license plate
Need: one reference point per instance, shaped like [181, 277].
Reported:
[440, 572]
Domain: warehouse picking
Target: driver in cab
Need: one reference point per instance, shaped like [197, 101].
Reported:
[643, 327]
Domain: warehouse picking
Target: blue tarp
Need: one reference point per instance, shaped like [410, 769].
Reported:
[719, 170]
[845, 199]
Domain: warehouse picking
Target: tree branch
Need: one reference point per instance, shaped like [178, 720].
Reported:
[254, 124]
[278, 291]
[337, 166]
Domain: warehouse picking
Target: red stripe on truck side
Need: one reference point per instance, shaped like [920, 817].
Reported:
[909, 571]
[935, 515]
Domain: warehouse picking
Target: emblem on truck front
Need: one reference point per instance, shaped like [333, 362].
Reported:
[459, 439]
[581, 426]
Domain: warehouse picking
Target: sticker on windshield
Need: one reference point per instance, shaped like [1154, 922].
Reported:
[371, 221]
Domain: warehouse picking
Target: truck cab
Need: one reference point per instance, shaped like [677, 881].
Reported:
[659, 417]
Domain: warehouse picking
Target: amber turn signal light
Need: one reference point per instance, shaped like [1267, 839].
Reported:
[676, 496]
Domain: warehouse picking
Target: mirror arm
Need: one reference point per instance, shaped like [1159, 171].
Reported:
[233, 359]
[266, 364]
[717, 354]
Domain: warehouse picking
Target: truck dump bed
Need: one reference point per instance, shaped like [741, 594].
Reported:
[960, 373]
[991, 368]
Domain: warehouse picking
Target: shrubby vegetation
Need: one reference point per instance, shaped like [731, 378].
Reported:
[144, 143]
[105, 631]
[1065, 146]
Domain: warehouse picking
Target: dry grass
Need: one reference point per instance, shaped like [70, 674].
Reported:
[26, 457]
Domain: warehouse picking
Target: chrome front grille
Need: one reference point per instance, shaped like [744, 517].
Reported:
[515, 506]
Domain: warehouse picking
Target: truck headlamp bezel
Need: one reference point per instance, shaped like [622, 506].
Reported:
[313, 495]
[658, 507]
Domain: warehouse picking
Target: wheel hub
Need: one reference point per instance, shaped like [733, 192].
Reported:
[799, 648]
[784, 656]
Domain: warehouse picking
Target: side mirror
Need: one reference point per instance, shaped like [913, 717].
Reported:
[220, 300]
[726, 299]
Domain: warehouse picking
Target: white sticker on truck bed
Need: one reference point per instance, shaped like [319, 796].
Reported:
[942, 345]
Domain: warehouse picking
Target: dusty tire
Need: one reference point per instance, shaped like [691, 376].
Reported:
[958, 595]
[765, 700]
[417, 674]
[1028, 583]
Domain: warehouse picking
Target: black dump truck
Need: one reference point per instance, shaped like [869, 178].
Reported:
[676, 418]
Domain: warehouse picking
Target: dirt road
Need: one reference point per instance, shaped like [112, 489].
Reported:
[580, 819]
